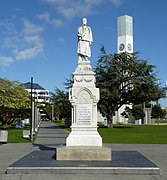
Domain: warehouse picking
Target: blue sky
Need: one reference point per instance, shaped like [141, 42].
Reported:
[39, 37]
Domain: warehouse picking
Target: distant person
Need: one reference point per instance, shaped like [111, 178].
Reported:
[84, 41]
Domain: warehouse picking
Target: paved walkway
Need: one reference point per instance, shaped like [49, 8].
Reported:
[51, 136]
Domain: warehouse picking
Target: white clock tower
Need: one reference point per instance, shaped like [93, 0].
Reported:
[125, 34]
[124, 44]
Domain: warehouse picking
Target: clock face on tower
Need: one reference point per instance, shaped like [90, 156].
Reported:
[129, 47]
[121, 47]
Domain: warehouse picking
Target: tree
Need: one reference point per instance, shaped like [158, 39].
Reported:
[137, 111]
[123, 79]
[61, 104]
[52, 107]
[14, 101]
[69, 82]
[157, 112]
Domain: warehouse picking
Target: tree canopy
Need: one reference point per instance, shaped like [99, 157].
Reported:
[157, 112]
[14, 100]
[123, 79]
[62, 105]
[136, 111]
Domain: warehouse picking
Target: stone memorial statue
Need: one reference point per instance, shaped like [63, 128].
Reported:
[84, 41]
[84, 142]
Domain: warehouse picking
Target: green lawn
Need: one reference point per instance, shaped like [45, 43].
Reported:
[132, 134]
[135, 134]
[15, 135]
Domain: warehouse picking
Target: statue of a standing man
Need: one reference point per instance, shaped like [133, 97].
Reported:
[84, 41]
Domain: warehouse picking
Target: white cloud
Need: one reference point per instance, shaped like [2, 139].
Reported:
[30, 28]
[44, 16]
[22, 44]
[9, 27]
[47, 19]
[33, 40]
[56, 22]
[72, 8]
[5, 61]
[9, 42]
[9, 35]
[29, 53]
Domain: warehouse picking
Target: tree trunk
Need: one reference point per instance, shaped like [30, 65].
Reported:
[3, 121]
[110, 122]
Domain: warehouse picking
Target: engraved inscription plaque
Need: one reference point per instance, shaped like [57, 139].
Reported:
[84, 114]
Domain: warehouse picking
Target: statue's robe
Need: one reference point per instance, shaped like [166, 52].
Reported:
[84, 40]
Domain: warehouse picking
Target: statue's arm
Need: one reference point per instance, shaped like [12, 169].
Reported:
[91, 36]
[79, 34]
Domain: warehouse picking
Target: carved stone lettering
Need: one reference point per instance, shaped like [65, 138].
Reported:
[84, 113]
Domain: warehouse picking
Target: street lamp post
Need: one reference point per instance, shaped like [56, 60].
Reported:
[52, 112]
[32, 113]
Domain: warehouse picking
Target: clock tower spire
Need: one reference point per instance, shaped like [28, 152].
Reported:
[125, 34]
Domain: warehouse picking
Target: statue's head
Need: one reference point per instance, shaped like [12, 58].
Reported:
[84, 21]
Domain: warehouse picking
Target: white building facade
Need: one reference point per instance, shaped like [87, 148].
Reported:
[40, 94]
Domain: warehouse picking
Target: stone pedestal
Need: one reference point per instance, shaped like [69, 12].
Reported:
[84, 153]
[84, 141]
[84, 97]
[84, 136]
